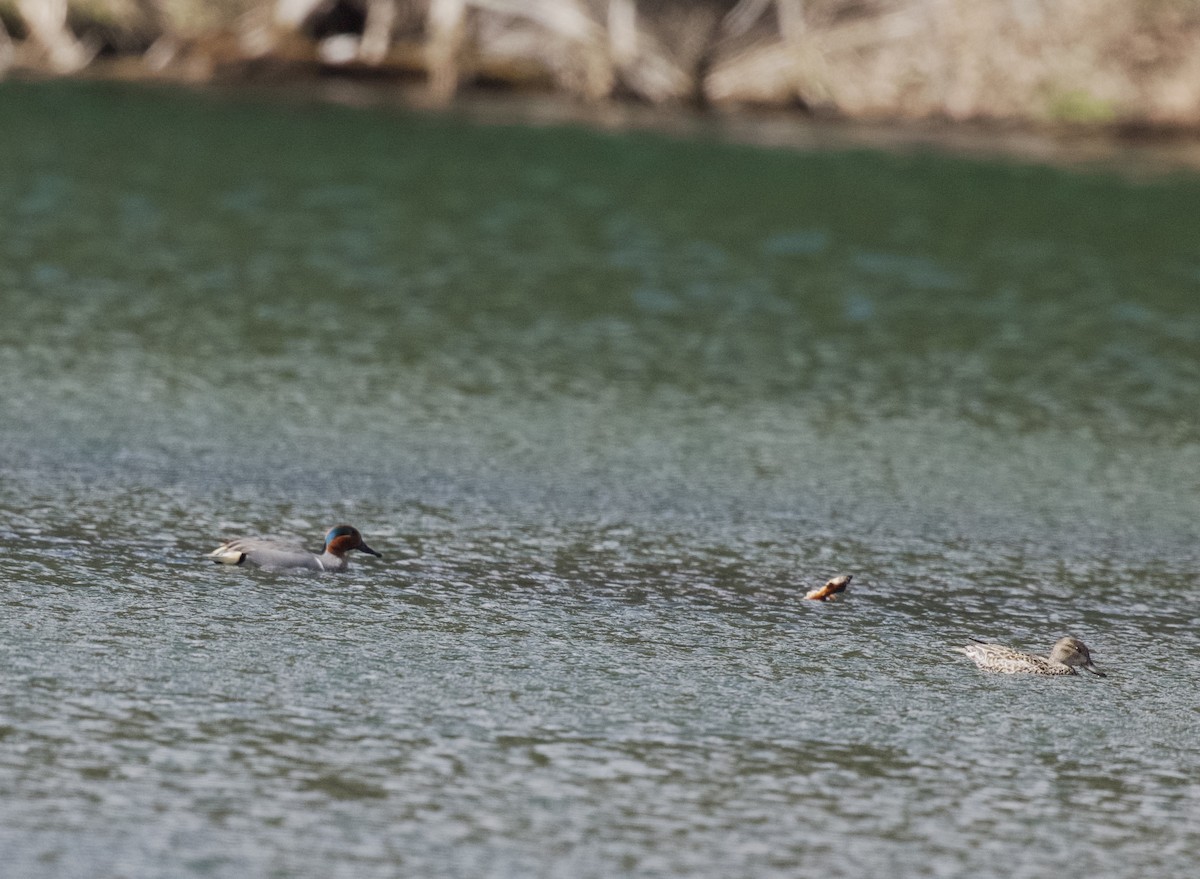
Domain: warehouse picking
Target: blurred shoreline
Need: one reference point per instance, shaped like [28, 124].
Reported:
[1070, 82]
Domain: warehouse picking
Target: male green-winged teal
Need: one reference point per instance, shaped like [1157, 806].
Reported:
[274, 554]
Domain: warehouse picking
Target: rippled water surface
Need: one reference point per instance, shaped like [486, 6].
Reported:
[608, 405]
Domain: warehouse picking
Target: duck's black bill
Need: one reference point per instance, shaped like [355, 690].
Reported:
[362, 547]
[1096, 671]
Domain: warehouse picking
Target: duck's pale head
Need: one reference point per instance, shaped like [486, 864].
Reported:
[343, 538]
[1071, 651]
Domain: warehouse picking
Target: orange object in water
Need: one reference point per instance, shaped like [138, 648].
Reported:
[832, 588]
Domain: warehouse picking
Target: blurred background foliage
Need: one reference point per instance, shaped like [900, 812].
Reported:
[1058, 61]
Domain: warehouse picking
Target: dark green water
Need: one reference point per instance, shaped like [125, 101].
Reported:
[608, 405]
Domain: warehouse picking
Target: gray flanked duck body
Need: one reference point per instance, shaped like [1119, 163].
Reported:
[1067, 654]
[276, 554]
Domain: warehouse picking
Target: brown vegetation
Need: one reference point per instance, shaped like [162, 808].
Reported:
[1077, 61]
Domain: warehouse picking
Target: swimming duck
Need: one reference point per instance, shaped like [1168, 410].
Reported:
[1067, 654]
[830, 589]
[274, 554]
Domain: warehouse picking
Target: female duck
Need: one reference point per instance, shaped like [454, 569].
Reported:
[273, 554]
[1067, 654]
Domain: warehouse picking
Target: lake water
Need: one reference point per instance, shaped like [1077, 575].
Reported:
[608, 404]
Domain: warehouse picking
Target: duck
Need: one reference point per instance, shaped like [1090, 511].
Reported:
[276, 554]
[830, 589]
[1066, 655]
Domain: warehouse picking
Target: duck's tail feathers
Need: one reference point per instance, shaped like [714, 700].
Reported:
[223, 555]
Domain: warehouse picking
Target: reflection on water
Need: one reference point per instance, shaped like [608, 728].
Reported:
[609, 405]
